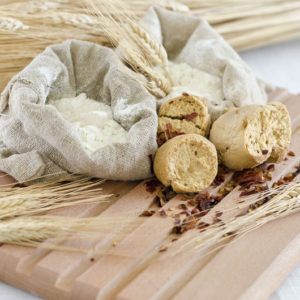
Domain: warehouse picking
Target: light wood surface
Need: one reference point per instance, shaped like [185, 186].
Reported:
[132, 270]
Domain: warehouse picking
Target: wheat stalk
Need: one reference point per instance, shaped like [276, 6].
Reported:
[46, 196]
[285, 201]
[135, 45]
[265, 22]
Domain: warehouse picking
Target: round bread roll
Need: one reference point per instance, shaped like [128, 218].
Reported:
[187, 162]
[184, 114]
[250, 135]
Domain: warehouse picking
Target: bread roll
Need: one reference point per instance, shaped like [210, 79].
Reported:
[188, 163]
[184, 114]
[250, 135]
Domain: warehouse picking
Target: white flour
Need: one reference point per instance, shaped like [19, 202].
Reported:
[199, 83]
[92, 120]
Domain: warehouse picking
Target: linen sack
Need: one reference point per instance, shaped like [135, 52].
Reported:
[191, 40]
[35, 141]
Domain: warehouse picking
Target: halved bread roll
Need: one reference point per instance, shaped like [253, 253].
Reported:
[188, 163]
[184, 114]
[252, 134]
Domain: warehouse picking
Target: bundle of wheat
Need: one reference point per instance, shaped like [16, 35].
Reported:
[27, 27]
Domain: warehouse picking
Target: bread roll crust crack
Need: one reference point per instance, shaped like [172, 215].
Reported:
[185, 114]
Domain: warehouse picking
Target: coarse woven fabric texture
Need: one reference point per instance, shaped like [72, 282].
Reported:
[191, 40]
[36, 141]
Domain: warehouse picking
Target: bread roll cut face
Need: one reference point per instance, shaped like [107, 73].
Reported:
[250, 135]
[184, 114]
[188, 163]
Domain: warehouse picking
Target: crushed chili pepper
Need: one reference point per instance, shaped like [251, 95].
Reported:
[191, 116]
[264, 152]
[152, 185]
[147, 213]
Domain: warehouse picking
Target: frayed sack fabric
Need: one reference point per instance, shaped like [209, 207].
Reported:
[191, 40]
[35, 141]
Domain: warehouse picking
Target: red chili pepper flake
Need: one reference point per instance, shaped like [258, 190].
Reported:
[264, 152]
[169, 133]
[291, 153]
[202, 225]
[201, 214]
[92, 259]
[151, 185]
[247, 192]
[174, 240]
[191, 116]
[218, 180]
[147, 213]
[218, 214]
[186, 212]
[162, 212]
[195, 210]
[251, 176]
[185, 94]
[280, 182]
[271, 168]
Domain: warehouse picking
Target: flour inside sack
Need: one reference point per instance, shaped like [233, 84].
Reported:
[92, 120]
[196, 82]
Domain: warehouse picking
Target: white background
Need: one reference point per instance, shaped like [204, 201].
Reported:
[280, 65]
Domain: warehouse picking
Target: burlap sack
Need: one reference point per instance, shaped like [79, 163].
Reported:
[189, 39]
[36, 141]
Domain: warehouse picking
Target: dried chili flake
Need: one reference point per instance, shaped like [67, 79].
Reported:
[247, 192]
[147, 213]
[271, 168]
[195, 210]
[191, 116]
[218, 180]
[151, 185]
[251, 176]
[291, 153]
[265, 151]
[202, 225]
[185, 94]
[162, 212]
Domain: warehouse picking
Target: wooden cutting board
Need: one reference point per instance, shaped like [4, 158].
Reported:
[251, 267]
